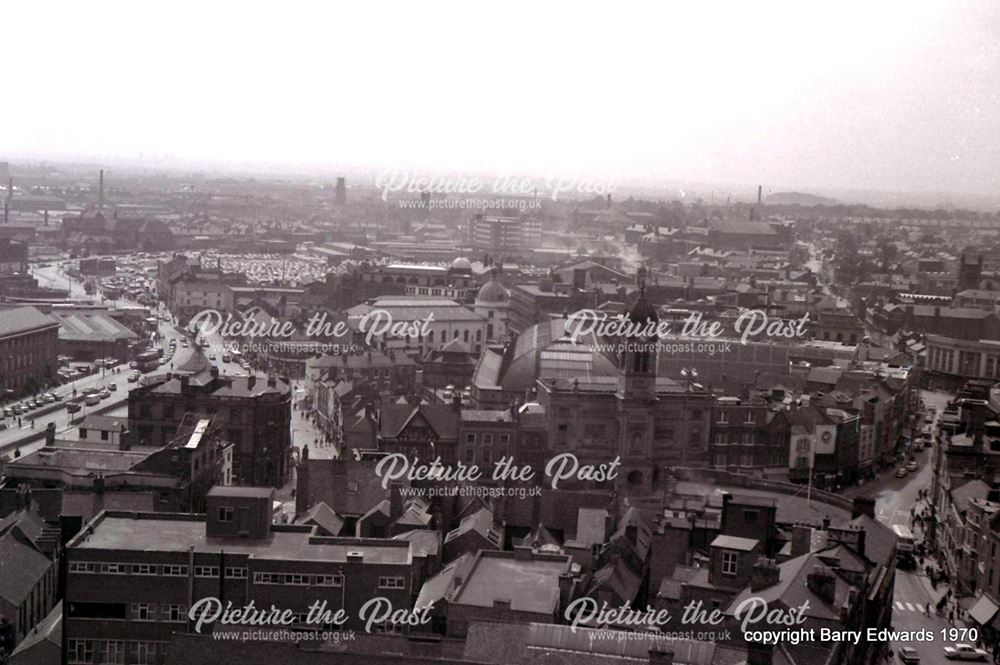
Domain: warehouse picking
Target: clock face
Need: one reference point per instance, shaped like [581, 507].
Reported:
[826, 437]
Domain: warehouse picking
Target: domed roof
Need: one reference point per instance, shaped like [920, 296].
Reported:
[461, 263]
[492, 291]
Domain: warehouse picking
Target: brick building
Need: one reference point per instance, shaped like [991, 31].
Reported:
[28, 349]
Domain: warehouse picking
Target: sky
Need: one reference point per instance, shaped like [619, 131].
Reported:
[894, 96]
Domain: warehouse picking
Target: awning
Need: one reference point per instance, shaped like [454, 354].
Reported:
[983, 611]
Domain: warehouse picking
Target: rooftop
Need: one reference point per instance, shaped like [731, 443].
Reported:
[528, 585]
[166, 532]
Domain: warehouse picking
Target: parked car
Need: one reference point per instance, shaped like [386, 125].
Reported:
[911, 465]
[73, 407]
[901, 472]
[964, 652]
[92, 400]
[909, 656]
[104, 394]
[113, 387]
[132, 377]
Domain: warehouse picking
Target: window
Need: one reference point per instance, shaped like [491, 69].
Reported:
[225, 513]
[236, 573]
[470, 437]
[390, 583]
[487, 439]
[750, 516]
[723, 416]
[143, 569]
[114, 568]
[142, 612]
[206, 571]
[81, 651]
[729, 561]
[174, 613]
[104, 435]
[175, 571]
[329, 580]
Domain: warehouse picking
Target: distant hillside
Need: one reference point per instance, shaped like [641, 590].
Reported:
[798, 198]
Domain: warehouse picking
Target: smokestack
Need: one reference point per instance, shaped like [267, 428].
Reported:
[100, 192]
[608, 205]
[10, 187]
[760, 192]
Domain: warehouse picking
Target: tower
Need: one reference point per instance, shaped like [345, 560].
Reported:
[100, 192]
[637, 393]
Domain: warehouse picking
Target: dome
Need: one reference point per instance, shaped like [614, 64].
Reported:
[492, 291]
[461, 263]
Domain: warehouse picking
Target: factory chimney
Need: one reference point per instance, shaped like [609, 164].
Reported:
[10, 187]
[100, 192]
[760, 192]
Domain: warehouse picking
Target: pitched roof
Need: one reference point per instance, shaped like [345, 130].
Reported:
[22, 319]
[323, 516]
[21, 566]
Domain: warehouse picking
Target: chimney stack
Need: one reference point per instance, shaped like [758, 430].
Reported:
[10, 187]
[6, 213]
[765, 574]
[100, 192]
[50, 435]
[760, 194]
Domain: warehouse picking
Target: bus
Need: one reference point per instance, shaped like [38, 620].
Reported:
[905, 544]
[147, 361]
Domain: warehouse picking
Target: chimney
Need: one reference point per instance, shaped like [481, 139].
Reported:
[100, 192]
[760, 191]
[272, 382]
[861, 541]
[50, 435]
[801, 539]
[456, 401]
[608, 204]
[565, 590]
[765, 574]
[822, 583]
[863, 505]
[185, 383]
[395, 500]
[826, 523]
[214, 371]
[6, 213]
[661, 655]
[10, 187]
[251, 381]
[759, 654]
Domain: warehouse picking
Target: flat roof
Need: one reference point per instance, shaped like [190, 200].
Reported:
[163, 532]
[528, 585]
[734, 543]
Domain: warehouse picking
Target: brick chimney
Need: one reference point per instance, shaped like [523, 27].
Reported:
[801, 539]
[759, 654]
[822, 583]
[863, 505]
[50, 435]
[765, 574]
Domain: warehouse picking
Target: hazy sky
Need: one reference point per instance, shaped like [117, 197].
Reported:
[881, 95]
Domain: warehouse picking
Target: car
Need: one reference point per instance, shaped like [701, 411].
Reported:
[133, 364]
[47, 399]
[56, 397]
[211, 356]
[901, 472]
[911, 465]
[965, 652]
[908, 656]
[73, 407]
[18, 409]
[113, 387]
[104, 394]
[92, 400]
[8, 412]
[132, 377]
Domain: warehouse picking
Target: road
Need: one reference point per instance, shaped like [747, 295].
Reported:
[895, 497]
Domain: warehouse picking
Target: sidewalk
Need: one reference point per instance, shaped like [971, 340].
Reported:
[961, 620]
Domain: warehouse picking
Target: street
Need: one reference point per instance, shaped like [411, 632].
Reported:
[895, 498]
